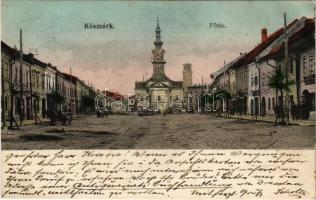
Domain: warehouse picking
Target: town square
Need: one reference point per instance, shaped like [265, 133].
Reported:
[174, 131]
[204, 82]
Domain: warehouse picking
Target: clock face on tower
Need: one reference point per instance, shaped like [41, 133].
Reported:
[158, 54]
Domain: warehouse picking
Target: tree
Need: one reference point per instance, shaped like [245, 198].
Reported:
[279, 83]
[87, 103]
[240, 103]
[57, 98]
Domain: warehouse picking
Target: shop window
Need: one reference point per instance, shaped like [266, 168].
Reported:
[27, 78]
[43, 82]
[304, 64]
[292, 64]
[33, 79]
[16, 75]
[5, 69]
[311, 64]
[256, 80]
[37, 80]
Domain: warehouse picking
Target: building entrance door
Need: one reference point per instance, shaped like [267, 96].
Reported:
[43, 108]
[263, 107]
[256, 106]
[28, 108]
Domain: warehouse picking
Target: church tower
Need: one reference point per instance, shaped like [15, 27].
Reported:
[158, 52]
[160, 91]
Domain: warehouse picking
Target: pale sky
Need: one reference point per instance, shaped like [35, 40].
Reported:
[115, 59]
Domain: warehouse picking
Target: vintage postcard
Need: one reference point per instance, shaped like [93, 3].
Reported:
[158, 99]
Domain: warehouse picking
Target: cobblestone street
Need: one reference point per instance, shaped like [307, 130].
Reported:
[177, 131]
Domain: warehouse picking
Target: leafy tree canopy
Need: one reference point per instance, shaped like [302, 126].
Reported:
[278, 81]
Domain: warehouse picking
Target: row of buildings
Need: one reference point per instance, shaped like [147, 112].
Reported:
[246, 78]
[31, 88]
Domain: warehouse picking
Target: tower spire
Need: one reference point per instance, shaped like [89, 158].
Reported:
[158, 43]
[158, 54]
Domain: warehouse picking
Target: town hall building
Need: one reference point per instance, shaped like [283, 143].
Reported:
[160, 92]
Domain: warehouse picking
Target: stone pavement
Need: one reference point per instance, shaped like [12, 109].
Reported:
[174, 131]
[267, 118]
[271, 119]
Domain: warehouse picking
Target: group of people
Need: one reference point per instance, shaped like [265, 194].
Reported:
[296, 111]
[59, 116]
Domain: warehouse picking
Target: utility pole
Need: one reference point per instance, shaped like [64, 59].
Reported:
[21, 80]
[286, 71]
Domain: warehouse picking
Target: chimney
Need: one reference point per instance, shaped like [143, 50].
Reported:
[264, 35]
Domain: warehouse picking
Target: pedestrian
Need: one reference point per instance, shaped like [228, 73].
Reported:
[277, 112]
[238, 111]
[256, 112]
[305, 111]
[293, 111]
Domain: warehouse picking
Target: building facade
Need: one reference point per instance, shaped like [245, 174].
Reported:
[225, 81]
[307, 90]
[38, 93]
[29, 88]
[69, 92]
[300, 45]
[7, 58]
[303, 46]
[159, 93]
[249, 77]
[196, 98]
[267, 70]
